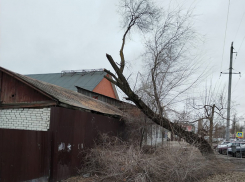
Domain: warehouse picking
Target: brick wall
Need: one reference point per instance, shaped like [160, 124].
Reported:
[25, 119]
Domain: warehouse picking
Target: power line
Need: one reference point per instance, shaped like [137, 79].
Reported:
[241, 44]
[237, 32]
[239, 26]
[225, 34]
[235, 86]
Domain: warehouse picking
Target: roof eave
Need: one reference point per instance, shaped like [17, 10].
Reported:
[88, 110]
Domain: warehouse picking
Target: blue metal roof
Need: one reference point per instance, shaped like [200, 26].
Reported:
[86, 80]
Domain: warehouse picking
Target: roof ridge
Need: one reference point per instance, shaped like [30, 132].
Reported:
[71, 71]
[82, 71]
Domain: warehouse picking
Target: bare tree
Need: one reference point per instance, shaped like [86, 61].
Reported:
[219, 131]
[236, 125]
[168, 69]
[142, 15]
[210, 102]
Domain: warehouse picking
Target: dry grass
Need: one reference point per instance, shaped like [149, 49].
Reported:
[114, 160]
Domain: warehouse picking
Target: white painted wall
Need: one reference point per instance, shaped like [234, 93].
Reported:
[25, 119]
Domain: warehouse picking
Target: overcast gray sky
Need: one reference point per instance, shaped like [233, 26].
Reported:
[47, 36]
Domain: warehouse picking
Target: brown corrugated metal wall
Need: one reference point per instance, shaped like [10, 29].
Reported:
[24, 155]
[78, 130]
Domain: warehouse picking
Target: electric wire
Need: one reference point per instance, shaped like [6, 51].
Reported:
[225, 34]
[241, 44]
[239, 26]
[233, 90]
[237, 33]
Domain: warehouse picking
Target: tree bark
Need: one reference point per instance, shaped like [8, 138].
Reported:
[211, 126]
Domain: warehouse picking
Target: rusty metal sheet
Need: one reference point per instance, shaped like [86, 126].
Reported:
[64, 125]
[14, 91]
[24, 155]
[74, 131]
[1, 73]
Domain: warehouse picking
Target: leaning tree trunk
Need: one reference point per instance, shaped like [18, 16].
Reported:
[175, 128]
[211, 126]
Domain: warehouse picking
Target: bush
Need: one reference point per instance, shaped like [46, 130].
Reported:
[115, 160]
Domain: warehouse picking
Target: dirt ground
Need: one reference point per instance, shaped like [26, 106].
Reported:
[236, 174]
[79, 179]
[230, 177]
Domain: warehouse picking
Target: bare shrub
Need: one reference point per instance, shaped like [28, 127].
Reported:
[115, 160]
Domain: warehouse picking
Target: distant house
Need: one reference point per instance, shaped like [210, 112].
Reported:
[188, 127]
[45, 128]
[90, 80]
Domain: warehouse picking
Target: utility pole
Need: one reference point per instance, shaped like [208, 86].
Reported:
[227, 134]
